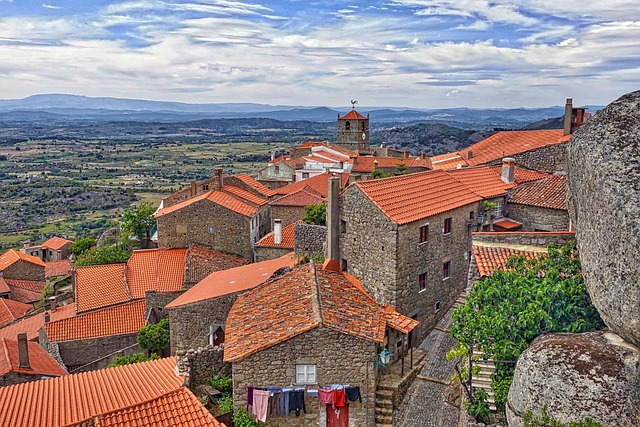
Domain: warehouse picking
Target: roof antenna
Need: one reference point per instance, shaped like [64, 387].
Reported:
[353, 104]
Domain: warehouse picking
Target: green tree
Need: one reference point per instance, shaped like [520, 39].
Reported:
[133, 358]
[401, 169]
[154, 337]
[104, 255]
[316, 214]
[505, 312]
[377, 173]
[80, 246]
[137, 223]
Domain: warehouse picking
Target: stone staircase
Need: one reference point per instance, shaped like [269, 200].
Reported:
[483, 378]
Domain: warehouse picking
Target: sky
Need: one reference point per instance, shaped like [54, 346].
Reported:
[395, 53]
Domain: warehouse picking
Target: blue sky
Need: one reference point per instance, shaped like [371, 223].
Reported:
[414, 53]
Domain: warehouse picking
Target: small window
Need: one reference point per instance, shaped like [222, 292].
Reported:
[446, 270]
[277, 168]
[347, 125]
[343, 265]
[362, 126]
[499, 209]
[305, 374]
[212, 229]
[424, 233]
[305, 175]
[205, 187]
[447, 225]
[472, 215]
[34, 253]
[343, 226]
[216, 335]
[422, 282]
[437, 306]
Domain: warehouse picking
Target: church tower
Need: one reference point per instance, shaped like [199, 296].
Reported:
[353, 130]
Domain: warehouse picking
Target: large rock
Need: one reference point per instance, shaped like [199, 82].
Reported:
[595, 375]
[604, 204]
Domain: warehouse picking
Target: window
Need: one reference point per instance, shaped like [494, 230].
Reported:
[446, 270]
[216, 335]
[472, 215]
[305, 374]
[212, 229]
[277, 168]
[447, 225]
[347, 126]
[437, 306]
[424, 233]
[343, 265]
[34, 253]
[305, 175]
[343, 226]
[422, 282]
[205, 187]
[363, 126]
[499, 209]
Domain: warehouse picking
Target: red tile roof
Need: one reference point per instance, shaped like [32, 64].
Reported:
[318, 183]
[245, 195]
[41, 363]
[26, 291]
[366, 164]
[202, 261]
[509, 143]
[325, 157]
[258, 186]
[55, 243]
[4, 288]
[155, 269]
[71, 399]
[31, 325]
[119, 320]
[218, 197]
[353, 115]
[287, 238]
[304, 197]
[522, 175]
[482, 180]
[179, 408]
[506, 225]
[545, 193]
[233, 280]
[57, 268]
[11, 310]
[447, 161]
[100, 286]
[272, 313]
[11, 256]
[412, 197]
[489, 259]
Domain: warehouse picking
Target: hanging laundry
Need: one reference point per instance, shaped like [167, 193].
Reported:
[296, 401]
[312, 392]
[274, 402]
[284, 401]
[260, 404]
[353, 394]
[325, 395]
[339, 399]
[250, 396]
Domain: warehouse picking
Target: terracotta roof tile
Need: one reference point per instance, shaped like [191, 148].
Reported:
[202, 261]
[366, 164]
[218, 197]
[179, 408]
[4, 288]
[447, 161]
[70, 399]
[304, 197]
[41, 363]
[183, 204]
[256, 320]
[26, 291]
[233, 280]
[489, 259]
[11, 256]
[55, 243]
[506, 225]
[31, 325]
[258, 186]
[57, 268]
[353, 115]
[118, 320]
[318, 183]
[546, 193]
[287, 242]
[412, 197]
[509, 143]
[325, 157]
[155, 269]
[482, 180]
[523, 175]
[11, 310]
[100, 286]
[245, 195]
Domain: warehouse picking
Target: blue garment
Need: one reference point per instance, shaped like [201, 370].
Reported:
[312, 393]
[283, 404]
[296, 401]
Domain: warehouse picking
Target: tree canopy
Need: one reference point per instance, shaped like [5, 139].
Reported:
[105, 255]
[316, 214]
[154, 337]
[137, 222]
[80, 246]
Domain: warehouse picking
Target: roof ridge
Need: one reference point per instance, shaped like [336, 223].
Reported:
[5, 350]
[124, 280]
[316, 301]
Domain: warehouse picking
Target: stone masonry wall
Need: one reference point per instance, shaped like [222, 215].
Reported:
[197, 365]
[93, 352]
[185, 193]
[12, 378]
[23, 270]
[191, 225]
[339, 359]
[310, 239]
[536, 218]
[265, 253]
[284, 172]
[158, 300]
[551, 158]
[288, 214]
[518, 238]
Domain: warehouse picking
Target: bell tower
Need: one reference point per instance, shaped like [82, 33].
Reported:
[353, 130]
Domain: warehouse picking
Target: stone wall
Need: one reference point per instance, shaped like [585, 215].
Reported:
[339, 359]
[534, 218]
[24, 270]
[157, 300]
[197, 365]
[12, 378]
[288, 214]
[283, 174]
[350, 134]
[191, 224]
[310, 239]
[551, 158]
[265, 253]
[186, 193]
[96, 353]
[520, 238]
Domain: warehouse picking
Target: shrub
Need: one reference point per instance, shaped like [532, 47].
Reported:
[134, 358]
[154, 337]
[316, 214]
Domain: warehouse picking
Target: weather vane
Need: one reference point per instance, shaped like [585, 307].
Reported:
[353, 104]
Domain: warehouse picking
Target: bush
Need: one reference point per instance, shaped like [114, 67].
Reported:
[154, 337]
[80, 246]
[225, 405]
[316, 214]
[546, 421]
[105, 255]
[222, 383]
[479, 408]
[134, 358]
[242, 419]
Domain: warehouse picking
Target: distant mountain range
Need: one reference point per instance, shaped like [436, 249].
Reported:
[81, 109]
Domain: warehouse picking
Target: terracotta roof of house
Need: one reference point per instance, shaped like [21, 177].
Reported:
[415, 196]
[506, 225]
[353, 115]
[287, 238]
[508, 143]
[179, 408]
[41, 363]
[57, 268]
[155, 270]
[550, 193]
[122, 319]
[218, 197]
[304, 197]
[55, 243]
[257, 319]
[233, 280]
[366, 164]
[100, 286]
[310, 144]
[11, 310]
[26, 291]
[202, 261]
[71, 399]
[522, 175]
[489, 259]
[31, 325]
[325, 157]
[256, 185]
[245, 195]
[482, 180]
[447, 161]
[4, 288]
[318, 183]
[11, 256]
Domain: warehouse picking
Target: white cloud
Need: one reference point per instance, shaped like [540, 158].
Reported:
[50, 6]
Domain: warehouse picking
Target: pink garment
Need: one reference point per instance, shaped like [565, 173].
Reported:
[260, 404]
[325, 396]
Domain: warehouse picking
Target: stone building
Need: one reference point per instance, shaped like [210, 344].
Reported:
[54, 249]
[22, 277]
[280, 172]
[540, 205]
[23, 361]
[306, 329]
[10, 310]
[353, 131]
[277, 243]
[364, 166]
[291, 207]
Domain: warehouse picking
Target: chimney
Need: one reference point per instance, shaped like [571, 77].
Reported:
[273, 155]
[52, 304]
[47, 317]
[23, 352]
[26, 245]
[423, 156]
[568, 111]
[375, 164]
[219, 181]
[333, 226]
[508, 170]
[194, 188]
[406, 154]
[469, 155]
[277, 231]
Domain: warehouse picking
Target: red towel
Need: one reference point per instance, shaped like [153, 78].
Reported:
[339, 399]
